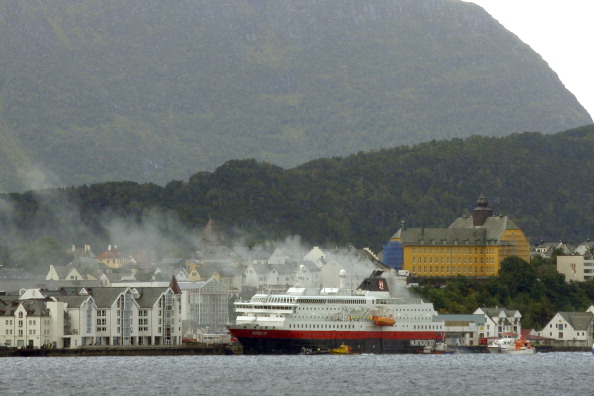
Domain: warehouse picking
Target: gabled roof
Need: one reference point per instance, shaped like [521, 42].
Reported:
[494, 225]
[105, 296]
[261, 269]
[35, 307]
[224, 269]
[110, 253]
[497, 312]
[62, 270]
[430, 236]
[284, 269]
[174, 286]
[73, 301]
[149, 296]
[577, 320]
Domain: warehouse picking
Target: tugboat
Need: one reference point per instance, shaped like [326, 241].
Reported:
[368, 319]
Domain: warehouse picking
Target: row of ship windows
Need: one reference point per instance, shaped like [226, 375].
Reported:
[320, 326]
[356, 318]
[349, 326]
[338, 309]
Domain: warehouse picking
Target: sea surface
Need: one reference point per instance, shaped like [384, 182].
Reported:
[559, 373]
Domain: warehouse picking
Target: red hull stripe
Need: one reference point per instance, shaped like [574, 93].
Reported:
[331, 335]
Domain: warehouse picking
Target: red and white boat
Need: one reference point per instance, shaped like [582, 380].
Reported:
[369, 320]
[511, 344]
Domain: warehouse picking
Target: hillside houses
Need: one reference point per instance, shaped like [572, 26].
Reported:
[499, 321]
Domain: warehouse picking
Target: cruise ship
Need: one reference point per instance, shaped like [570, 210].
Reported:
[369, 320]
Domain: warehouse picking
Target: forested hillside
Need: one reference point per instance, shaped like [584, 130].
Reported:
[150, 91]
[543, 182]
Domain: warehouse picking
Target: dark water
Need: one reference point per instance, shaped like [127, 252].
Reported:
[557, 374]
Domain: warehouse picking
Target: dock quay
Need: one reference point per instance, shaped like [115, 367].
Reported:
[137, 350]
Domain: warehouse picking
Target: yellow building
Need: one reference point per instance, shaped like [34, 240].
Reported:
[470, 246]
[111, 257]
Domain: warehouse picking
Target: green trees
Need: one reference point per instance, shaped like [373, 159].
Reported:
[538, 293]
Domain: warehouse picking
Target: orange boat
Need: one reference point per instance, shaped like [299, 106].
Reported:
[384, 320]
[342, 350]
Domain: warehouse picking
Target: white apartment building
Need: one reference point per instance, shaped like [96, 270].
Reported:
[107, 316]
[576, 268]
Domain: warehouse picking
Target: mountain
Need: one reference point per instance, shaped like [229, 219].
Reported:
[149, 90]
[543, 182]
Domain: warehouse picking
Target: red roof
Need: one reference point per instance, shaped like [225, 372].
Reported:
[113, 253]
[526, 334]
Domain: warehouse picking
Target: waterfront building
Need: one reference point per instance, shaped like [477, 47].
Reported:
[463, 329]
[576, 268]
[204, 308]
[499, 321]
[471, 246]
[570, 329]
[25, 324]
[80, 317]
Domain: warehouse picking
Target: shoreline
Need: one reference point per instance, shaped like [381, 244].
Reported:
[211, 349]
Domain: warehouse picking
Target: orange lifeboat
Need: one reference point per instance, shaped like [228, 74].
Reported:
[384, 320]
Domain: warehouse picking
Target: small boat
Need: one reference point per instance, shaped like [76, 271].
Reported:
[511, 344]
[315, 351]
[441, 348]
[342, 350]
[384, 320]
